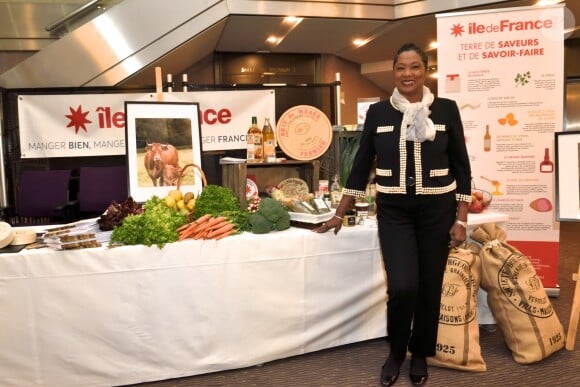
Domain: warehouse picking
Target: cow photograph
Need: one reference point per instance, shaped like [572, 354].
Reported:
[159, 146]
[167, 148]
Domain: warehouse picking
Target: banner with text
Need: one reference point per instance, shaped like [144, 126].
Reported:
[76, 125]
[505, 69]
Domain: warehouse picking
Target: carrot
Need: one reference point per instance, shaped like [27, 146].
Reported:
[194, 226]
[201, 235]
[198, 235]
[218, 225]
[203, 218]
[187, 232]
[225, 228]
[201, 228]
[223, 235]
[183, 227]
[197, 221]
[216, 220]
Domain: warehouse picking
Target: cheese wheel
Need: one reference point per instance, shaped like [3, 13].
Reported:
[23, 237]
[6, 234]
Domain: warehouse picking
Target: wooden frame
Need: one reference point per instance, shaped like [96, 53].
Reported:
[162, 137]
[567, 147]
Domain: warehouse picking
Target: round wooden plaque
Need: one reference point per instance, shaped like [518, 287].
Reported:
[304, 132]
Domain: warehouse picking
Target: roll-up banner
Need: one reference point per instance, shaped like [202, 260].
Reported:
[78, 125]
[505, 70]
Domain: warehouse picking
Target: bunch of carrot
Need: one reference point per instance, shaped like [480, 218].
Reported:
[207, 227]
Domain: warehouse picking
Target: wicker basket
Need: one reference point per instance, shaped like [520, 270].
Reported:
[195, 167]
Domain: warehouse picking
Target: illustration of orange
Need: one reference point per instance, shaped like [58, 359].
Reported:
[511, 119]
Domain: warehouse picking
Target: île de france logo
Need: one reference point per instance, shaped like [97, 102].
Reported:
[457, 30]
[78, 119]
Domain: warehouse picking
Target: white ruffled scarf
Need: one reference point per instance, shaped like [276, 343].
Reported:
[416, 114]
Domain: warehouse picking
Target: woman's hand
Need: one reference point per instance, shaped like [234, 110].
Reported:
[458, 234]
[335, 222]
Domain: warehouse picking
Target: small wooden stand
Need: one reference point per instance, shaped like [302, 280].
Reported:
[575, 313]
[234, 175]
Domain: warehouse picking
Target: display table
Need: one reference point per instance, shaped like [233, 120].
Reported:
[102, 317]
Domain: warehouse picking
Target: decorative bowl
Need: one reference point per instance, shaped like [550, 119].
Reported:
[480, 200]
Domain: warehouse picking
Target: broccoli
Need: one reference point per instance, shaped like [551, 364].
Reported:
[283, 223]
[271, 215]
[259, 224]
[272, 209]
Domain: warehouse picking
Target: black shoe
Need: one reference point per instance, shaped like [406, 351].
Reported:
[418, 371]
[418, 380]
[390, 371]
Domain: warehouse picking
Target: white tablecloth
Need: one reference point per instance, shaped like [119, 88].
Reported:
[102, 317]
[131, 314]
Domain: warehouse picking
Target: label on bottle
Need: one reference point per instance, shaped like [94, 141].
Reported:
[335, 197]
[250, 152]
[258, 148]
[269, 151]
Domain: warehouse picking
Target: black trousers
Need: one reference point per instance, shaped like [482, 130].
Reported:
[414, 239]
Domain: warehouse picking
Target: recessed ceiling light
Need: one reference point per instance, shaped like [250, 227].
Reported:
[360, 42]
[272, 39]
[292, 20]
[542, 3]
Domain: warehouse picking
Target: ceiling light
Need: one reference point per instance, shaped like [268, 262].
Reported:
[292, 20]
[273, 40]
[544, 3]
[360, 42]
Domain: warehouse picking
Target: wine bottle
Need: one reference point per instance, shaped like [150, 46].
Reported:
[269, 140]
[254, 149]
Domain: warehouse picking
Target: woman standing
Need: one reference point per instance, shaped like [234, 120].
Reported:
[423, 181]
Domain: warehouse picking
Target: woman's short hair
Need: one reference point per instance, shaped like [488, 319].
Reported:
[411, 47]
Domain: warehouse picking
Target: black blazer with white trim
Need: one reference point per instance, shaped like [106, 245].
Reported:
[437, 166]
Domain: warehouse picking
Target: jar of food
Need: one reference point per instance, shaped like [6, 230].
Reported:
[349, 219]
[362, 212]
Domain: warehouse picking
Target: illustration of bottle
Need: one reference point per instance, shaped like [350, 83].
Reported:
[546, 166]
[487, 140]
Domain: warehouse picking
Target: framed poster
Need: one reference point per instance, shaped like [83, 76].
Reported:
[567, 146]
[162, 139]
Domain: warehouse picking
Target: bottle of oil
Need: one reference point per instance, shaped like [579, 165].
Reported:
[269, 140]
[254, 151]
[487, 140]
[335, 192]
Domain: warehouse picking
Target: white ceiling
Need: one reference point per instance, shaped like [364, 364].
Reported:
[328, 27]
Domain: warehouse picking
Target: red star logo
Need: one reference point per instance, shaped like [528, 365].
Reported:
[77, 118]
[457, 30]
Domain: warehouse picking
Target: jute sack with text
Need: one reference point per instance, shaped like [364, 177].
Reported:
[458, 335]
[517, 298]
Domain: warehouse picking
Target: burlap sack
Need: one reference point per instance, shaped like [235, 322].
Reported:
[458, 335]
[517, 298]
